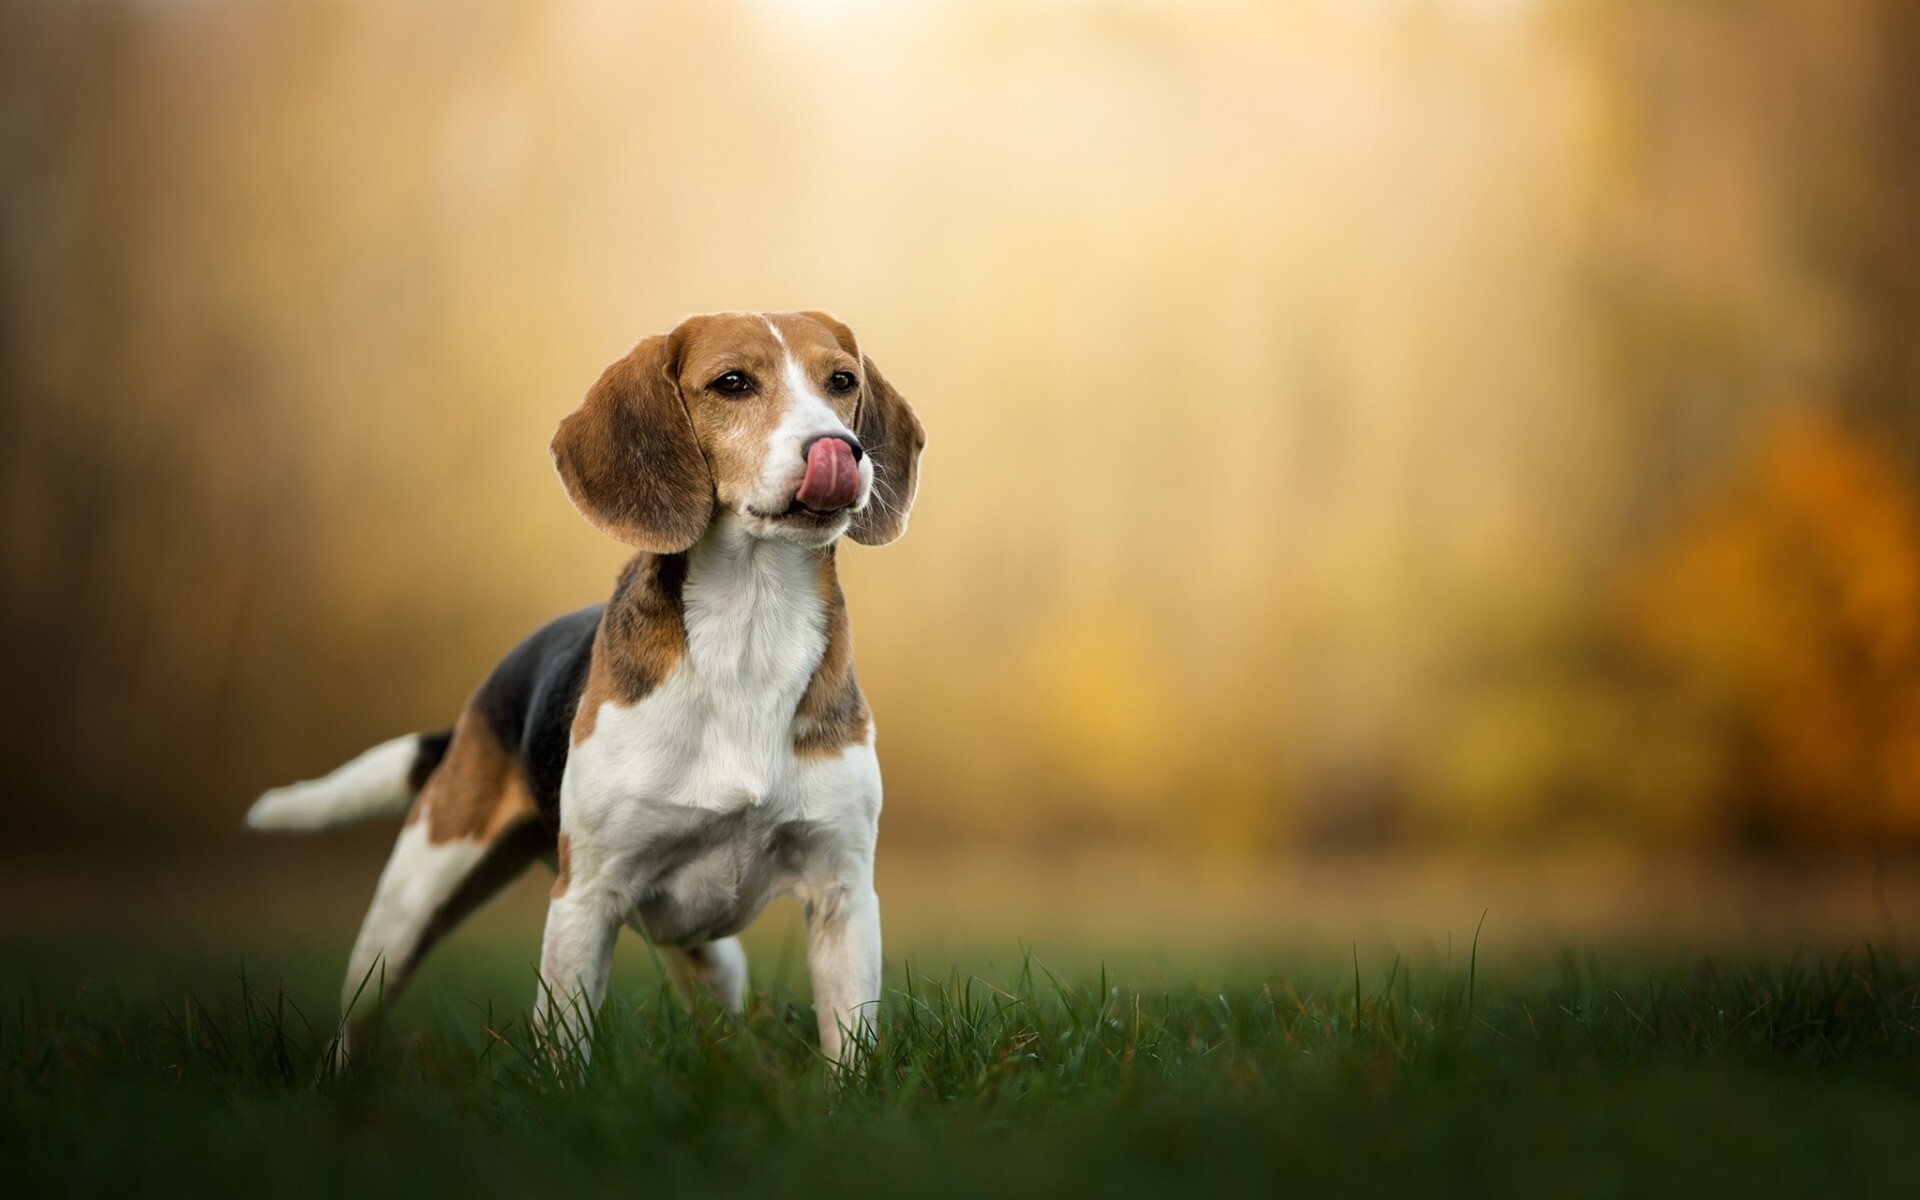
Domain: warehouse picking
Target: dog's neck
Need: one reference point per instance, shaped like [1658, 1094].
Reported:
[753, 621]
[739, 610]
[754, 609]
[730, 557]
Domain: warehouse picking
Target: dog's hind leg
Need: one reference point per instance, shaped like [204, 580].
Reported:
[472, 831]
[719, 965]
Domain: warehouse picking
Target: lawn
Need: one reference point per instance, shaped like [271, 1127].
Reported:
[126, 1069]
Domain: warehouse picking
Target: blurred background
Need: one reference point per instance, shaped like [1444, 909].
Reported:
[1364, 434]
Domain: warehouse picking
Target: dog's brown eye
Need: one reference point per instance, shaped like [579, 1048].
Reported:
[842, 381]
[733, 383]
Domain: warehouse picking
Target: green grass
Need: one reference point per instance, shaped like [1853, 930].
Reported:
[1564, 1075]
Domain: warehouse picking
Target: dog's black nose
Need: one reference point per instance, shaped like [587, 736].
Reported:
[853, 444]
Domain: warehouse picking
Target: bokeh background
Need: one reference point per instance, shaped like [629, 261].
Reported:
[1363, 433]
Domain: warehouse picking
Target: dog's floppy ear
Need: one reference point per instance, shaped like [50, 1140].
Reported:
[893, 439]
[629, 458]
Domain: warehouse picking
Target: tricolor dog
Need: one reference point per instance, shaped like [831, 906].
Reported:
[697, 745]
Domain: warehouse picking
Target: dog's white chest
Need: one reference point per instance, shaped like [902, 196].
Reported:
[698, 808]
[716, 735]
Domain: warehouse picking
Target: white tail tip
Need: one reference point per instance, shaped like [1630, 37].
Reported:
[372, 785]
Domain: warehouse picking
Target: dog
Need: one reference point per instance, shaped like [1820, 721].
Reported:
[698, 744]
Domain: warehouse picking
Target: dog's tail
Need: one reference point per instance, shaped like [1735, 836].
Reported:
[380, 783]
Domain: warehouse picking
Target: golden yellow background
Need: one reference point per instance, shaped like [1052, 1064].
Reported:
[1352, 424]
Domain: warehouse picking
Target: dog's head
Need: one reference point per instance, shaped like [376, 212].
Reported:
[777, 418]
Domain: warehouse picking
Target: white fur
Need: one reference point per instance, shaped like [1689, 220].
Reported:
[687, 811]
[725, 963]
[420, 878]
[372, 785]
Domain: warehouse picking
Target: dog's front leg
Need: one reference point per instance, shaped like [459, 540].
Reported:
[843, 958]
[576, 956]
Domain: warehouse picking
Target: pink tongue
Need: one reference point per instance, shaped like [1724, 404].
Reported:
[832, 480]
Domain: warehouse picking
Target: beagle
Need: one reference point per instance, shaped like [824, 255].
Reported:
[697, 745]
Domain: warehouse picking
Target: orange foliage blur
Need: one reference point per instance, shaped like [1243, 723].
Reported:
[1788, 610]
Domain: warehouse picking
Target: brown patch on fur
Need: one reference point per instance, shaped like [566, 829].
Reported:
[629, 457]
[833, 711]
[563, 875]
[599, 690]
[893, 438]
[842, 335]
[477, 791]
[642, 635]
